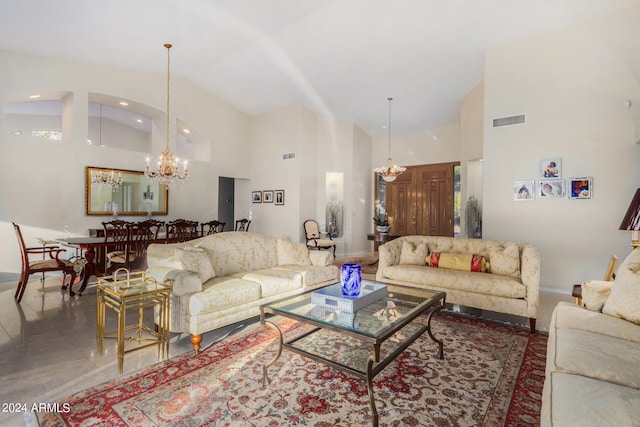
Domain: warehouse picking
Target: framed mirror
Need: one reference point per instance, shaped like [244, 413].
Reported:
[123, 191]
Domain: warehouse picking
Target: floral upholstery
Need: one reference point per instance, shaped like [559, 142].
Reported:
[513, 291]
[250, 269]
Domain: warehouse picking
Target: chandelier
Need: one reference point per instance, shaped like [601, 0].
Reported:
[389, 172]
[168, 170]
[107, 178]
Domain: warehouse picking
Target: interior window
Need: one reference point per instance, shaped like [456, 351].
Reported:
[36, 118]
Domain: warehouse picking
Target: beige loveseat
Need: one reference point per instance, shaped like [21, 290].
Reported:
[224, 278]
[510, 286]
[592, 375]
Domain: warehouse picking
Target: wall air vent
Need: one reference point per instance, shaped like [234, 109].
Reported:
[507, 121]
[287, 156]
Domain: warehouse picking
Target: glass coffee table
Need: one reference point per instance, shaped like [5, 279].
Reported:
[373, 336]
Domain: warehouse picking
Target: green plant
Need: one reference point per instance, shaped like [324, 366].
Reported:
[378, 220]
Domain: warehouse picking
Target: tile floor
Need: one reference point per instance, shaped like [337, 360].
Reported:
[48, 345]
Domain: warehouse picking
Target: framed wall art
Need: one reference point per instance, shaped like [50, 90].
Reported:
[551, 188]
[581, 188]
[267, 196]
[551, 168]
[523, 190]
[279, 197]
[256, 196]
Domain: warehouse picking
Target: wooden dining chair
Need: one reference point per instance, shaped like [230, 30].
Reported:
[141, 234]
[116, 230]
[211, 227]
[182, 230]
[48, 260]
[243, 224]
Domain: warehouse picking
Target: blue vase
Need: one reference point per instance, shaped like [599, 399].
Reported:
[351, 278]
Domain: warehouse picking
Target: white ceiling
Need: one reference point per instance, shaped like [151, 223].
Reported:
[338, 57]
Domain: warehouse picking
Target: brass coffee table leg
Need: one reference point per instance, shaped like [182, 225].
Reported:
[265, 376]
[372, 400]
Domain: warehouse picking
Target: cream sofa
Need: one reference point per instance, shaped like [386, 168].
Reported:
[592, 375]
[224, 278]
[510, 286]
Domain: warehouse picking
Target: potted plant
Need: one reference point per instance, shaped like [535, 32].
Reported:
[382, 224]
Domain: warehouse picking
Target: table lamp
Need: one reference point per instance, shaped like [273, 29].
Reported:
[631, 220]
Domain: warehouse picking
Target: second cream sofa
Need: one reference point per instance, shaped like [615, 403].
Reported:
[511, 285]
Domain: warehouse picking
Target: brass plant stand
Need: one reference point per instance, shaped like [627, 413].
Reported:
[133, 294]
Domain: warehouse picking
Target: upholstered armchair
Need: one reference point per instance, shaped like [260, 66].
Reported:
[315, 239]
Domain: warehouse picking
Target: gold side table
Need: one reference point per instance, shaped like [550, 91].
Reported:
[135, 293]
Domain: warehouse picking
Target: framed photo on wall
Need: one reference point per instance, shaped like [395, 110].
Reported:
[523, 190]
[256, 196]
[267, 196]
[551, 188]
[551, 168]
[279, 197]
[581, 188]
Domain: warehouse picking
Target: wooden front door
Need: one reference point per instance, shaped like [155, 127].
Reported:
[420, 201]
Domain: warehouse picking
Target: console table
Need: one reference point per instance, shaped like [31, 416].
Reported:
[380, 239]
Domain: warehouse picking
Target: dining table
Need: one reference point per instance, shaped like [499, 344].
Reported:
[89, 247]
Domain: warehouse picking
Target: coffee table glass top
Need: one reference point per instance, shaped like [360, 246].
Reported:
[373, 320]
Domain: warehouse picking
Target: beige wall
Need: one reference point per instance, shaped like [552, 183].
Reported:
[572, 87]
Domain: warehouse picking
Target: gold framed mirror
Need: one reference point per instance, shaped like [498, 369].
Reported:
[124, 191]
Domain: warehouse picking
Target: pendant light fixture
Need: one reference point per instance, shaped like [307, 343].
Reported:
[168, 170]
[389, 172]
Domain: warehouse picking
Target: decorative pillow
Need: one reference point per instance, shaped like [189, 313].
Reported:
[196, 260]
[464, 262]
[624, 301]
[413, 255]
[290, 253]
[595, 294]
[506, 261]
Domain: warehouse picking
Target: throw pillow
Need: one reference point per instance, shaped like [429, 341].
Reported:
[506, 261]
[595, 294]
[196, 260]
[464, 262]
[290, 253]
[624, 301]
[413, 255]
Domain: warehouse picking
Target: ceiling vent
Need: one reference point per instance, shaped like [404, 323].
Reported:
[287, 156]
[508, 121]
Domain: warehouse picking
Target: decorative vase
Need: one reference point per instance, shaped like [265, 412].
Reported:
[351, 278]
[383, 229]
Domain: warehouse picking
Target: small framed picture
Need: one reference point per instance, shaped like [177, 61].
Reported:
[279, 197]
[523, 190]
[551, 168]
[256, 196]
[581, 188]
[551, 188]
[267, 196]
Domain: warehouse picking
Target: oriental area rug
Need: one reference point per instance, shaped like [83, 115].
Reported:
[492, 375]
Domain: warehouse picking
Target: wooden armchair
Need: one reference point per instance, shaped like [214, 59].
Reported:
[49, 260]
[315, 239]
[211, 227]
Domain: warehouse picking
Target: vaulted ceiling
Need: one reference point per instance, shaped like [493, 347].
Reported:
[341, 58]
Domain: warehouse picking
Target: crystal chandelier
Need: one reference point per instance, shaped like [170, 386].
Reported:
[107, 178]
[389, 172]
[168, 170]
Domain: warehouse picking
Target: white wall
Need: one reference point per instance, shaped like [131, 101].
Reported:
[43, 185]
[571, 86]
